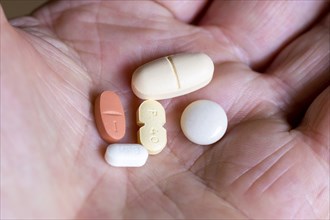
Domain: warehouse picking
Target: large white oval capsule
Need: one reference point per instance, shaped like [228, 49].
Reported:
[126, 155]
[172, 76]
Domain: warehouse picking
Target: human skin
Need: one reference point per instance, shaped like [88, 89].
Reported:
[271, 77]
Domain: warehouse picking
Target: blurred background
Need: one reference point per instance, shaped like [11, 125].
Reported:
[15, 8]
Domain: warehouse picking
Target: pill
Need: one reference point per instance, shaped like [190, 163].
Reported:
[110, 117]
[152, 134]
[172, 76]
[126, 155]
[204, 122]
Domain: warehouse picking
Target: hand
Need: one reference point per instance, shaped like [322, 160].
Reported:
[271, 76]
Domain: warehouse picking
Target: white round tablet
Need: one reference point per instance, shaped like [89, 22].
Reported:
[204, 122]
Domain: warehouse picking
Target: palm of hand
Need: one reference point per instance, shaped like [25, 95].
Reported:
[260, 169]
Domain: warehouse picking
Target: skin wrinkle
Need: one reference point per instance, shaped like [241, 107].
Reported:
[143, 29]
[287, 41]
[90, 194]
[112, 85]
[37, 31]
[247, 188]
[257, 164]
[74, 125]
[201, 172]
[256, 113]
[168, 197]
[145, 191]
[99, 69]
[172, 13]
[139, 194]
[311, 51]
[140, 15]
[157, 183]
[50, 26]
[57, 91]
[181, 163]
[303, 50]
[321, 191]
[80, 146]
[238, 99]
[295, 214]
[281, 87]
[122, 210]
[68, 41]
[240, 52]
[40, 50]
[311, 207]
[223, 163]
[221, 197]
[205, 184]
[162, 189]
[114, 12]
[252, 114]
[319, 194]
[316, 138]
[283, 172]
[255, 181]
[318, 158]
[180, 213]
[185, 164]
[307, 58]
[154, 182]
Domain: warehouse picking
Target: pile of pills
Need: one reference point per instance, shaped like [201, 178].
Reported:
[164, 78]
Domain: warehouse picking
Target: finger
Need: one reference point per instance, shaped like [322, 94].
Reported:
[261, 28]
[184, 11]
[316, 125]
[301, 70]
[152, 32]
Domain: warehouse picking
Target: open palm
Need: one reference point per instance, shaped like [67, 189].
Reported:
[272, 163]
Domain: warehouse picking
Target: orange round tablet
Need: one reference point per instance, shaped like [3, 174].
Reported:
[110, 117]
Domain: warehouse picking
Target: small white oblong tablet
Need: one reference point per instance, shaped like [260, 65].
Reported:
[204, 122]
[172, 76]
[126, 155]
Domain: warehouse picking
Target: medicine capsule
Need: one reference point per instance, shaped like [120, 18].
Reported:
[152, 134]
[204, 122]
[172, 76]
[110, 117]
[126, 155]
